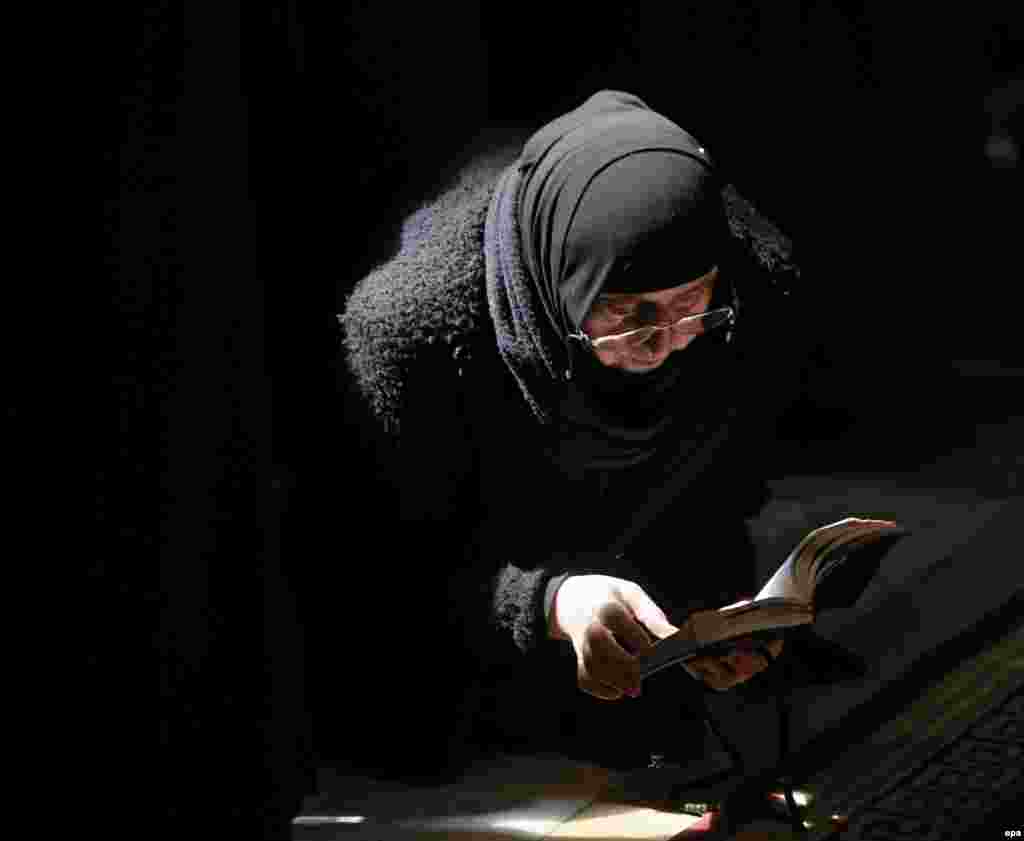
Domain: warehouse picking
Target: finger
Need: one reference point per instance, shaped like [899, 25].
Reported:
[745, 664]
[594, 687]
[717, 673]
[723, 670]
[630, 634]
[606, 661]
[601, 691]
[697, 670]
[647, 613]
[720, 684]
[754, 661]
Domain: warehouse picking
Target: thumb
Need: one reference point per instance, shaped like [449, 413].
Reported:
[648, 614]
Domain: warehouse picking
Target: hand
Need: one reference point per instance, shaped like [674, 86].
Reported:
[722, 673]
[608, 621]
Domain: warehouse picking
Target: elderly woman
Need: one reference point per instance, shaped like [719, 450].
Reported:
[571, 368]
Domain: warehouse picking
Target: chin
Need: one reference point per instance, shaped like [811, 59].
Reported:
[641, 368]
[637, 368]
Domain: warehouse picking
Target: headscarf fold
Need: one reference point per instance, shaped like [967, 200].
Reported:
[615, 197]
[609, 197]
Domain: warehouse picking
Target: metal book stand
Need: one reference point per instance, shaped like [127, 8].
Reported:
[741, 804]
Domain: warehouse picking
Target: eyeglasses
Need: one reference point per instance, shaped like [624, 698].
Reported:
[690, 325]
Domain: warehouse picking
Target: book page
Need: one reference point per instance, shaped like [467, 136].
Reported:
[823, 548]
[713, 626]
[724, 627]
[783, 584]
[785, 601]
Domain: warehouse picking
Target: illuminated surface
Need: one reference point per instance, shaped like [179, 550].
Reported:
[802, 798]
[613, 820]
[318, 820]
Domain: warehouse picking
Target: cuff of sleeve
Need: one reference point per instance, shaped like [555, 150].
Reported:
[549, 595]
[523, 598]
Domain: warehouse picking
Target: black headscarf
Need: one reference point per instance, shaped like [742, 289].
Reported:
[609, 197]
[615, 197]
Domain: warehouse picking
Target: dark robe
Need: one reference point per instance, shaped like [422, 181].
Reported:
[485, 521]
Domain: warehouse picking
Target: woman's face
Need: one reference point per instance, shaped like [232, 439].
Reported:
[617, 313]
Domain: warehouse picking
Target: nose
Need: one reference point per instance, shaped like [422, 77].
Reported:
[659, 344]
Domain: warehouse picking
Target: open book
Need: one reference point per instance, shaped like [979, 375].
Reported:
[829, 568]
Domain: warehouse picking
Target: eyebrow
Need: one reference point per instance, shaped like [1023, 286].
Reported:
[630, 297]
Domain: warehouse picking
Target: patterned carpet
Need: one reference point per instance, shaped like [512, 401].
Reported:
[941, 767]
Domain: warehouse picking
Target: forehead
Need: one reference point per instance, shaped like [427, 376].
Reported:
[662, 294]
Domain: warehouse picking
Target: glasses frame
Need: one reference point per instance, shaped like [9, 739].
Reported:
[651, 329]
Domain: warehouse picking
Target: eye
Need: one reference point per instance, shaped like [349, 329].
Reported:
[688, 303]
[617, 311]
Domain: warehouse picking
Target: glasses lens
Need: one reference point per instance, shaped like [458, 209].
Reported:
[693, 325]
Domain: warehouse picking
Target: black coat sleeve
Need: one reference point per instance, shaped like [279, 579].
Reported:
[494, 592]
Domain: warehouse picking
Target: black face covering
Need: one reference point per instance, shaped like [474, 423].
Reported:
[611, 197]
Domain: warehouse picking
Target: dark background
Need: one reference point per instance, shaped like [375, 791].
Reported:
[260, 158]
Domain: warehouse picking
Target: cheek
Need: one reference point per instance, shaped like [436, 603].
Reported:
[612, 359]
[662, 347]
[625, 358]
[680, 342]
